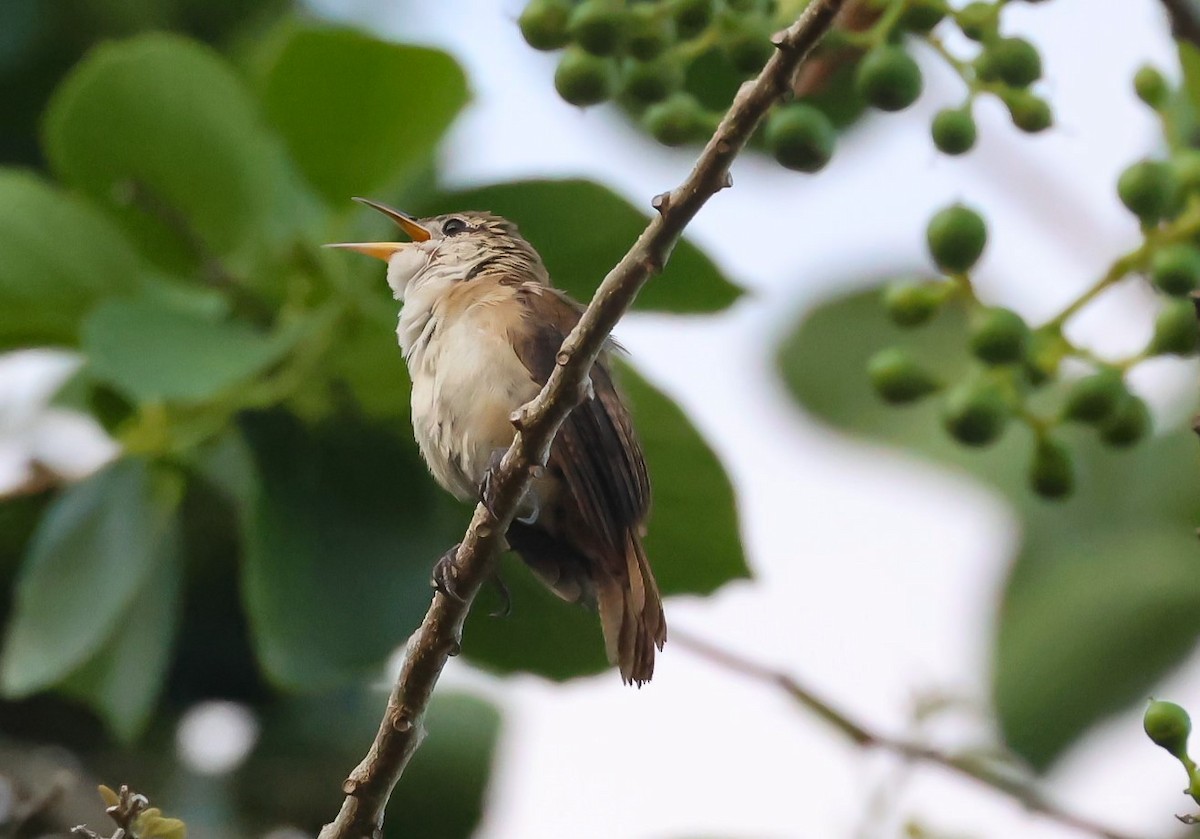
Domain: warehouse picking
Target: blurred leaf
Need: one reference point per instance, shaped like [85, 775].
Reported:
[693, 543]
[542, 635]
[1089, 623]
[339, 542]
[443, 794]
[1103, 599]
[60, 257]
[93, 552]
[309, 741]
[366, 361]
[355, 111]
[690, 552]
[582, 230]
[124, 681]
[153, 350]
[160, 130]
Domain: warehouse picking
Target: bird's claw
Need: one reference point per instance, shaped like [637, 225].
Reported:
[487, 493]
[505, 597]
[445, 575]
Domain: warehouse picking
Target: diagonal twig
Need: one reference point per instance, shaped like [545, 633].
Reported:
[401, 731]
[1006, 783]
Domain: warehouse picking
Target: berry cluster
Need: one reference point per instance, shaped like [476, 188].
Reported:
[1015, 360]
[640, 53]
[676, 63]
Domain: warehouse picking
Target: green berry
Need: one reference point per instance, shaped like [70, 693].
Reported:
[976, 413]
[676, 121]
[888, 78]
[1043, 356]
[543, 24]
[1129, 423]
[956, 237]
[692, 16]
[1168, 726]
[1014, 61]
[1052, 474]
[800, 137]
[1147, 189]
[977, 20]
[1175, 329]
[923, 15]
[584, 79]
[650, 32]
[954, 130]
[648, 82]
[1175, 269]
[1093, 399]
[1185, 166]
[910, 303]
[747, 46]
[897, 378]
[1151, 87]
[598, 26]
[1029, 113]
[999, 336]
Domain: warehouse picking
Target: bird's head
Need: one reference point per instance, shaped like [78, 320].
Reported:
[454, 247]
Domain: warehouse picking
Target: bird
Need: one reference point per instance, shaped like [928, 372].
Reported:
[480, 328]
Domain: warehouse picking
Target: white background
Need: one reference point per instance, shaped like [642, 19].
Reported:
[876, 576]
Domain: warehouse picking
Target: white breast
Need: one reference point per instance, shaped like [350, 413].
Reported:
[467, 381]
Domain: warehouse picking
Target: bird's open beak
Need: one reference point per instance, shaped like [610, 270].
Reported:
[384, 250]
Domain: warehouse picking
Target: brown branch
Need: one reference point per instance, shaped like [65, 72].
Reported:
[1185, 20]
[1007, 783]
[371, 783]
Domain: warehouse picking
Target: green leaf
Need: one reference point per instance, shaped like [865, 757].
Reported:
[582, 230]
[123, 682]
[60, 257]
[93, 552]
[357, 112]
[161, 131]
[367, 361]
[693, 543]
[308, 741]
[444, 794]
[339, 542]
[152, 349]
[692, 552]
[1103, 598]
[1090, 621]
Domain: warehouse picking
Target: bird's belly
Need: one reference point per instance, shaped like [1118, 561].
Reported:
[466, 384]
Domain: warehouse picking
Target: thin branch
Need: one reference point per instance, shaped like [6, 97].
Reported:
[1185, 20]
[1019, 789]
[370, 784]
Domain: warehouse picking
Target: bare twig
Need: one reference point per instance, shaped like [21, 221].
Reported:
[370, 784]
[1185, 20]
[1007, 783]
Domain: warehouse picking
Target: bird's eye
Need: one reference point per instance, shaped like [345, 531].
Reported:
[453, 226]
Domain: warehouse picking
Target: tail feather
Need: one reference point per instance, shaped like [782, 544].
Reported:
[631, 616]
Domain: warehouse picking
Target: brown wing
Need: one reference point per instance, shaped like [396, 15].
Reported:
[596, 450]
[607, 498]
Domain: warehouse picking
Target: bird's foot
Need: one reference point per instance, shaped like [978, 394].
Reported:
[445, 574]
[505, 597]
[487, 490]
